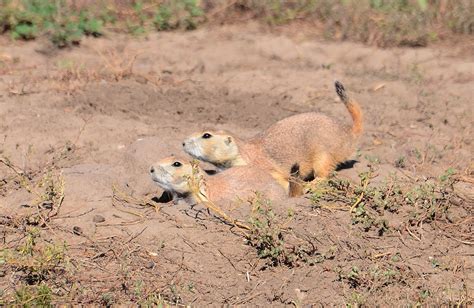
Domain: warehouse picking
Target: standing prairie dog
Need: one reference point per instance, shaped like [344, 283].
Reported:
[309, 144]
[173, 175]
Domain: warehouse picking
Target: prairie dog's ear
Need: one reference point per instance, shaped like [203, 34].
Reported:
[228, 140]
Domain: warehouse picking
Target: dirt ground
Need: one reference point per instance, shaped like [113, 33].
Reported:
[98, 115]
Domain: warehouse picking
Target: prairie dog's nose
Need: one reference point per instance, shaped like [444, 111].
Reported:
[152, 169]
[184, 143]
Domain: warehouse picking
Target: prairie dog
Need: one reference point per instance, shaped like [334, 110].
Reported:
[310, 144]
[173, 173]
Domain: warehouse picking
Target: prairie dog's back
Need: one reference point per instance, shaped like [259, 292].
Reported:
[301, 137]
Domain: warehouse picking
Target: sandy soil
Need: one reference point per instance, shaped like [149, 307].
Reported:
[101, 119]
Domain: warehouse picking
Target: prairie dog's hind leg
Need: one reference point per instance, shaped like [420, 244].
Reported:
[296, 185]
[323, 165]
[282, 180]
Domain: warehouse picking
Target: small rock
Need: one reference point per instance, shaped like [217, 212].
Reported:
[98, 219]
[150, 265]
[47, 205]
[141, 79]
[77, 230]
[465, 190]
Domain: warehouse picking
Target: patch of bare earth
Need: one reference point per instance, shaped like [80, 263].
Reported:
[80, 127]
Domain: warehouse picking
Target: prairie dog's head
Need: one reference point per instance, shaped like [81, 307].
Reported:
[172, 174]
[215, 147]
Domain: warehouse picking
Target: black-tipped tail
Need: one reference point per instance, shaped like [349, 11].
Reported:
[352, 106]
[341, 91]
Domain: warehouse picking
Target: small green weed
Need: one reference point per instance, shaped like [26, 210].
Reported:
[400, 162]
[427, 200]
[33, 296]
[47, 192]
[184, 14]
[356, 300]
[373, 159]
[154, 300]
[107, 299]
[267, 235]
[31, 18]
[431, 199]
[68, 34]
[375, 277]
[90, 25]
[162, 20]
[25, 31]
[36, 262]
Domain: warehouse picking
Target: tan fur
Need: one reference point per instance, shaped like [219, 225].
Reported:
[315, 142]
[230, 185]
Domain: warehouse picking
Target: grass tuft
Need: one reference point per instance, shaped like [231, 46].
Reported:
[426, 200]
[376, 22]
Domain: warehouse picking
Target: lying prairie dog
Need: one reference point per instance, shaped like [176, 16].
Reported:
[174, 175]
[305, 145]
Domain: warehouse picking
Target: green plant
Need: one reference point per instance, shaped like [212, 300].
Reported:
[400, 162]
[427, 200]
[193, 12]
[90, 25]
[328, 190]
[30, 18]
[47, 193]
[174, 297]
[373, 277]
[356, 300]
[107, 299]
[36, 261]
[154, 300]
[434, 262]
[25, 31]
[163, 18]
[430, 199]
[353, 277]
[372, 159]
[175, 14]
[447, 176]
[423, 296]
[265, 233]
[36, 296]
[136, 23]
[63, 35]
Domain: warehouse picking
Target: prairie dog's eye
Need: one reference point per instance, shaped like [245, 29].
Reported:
[206, 136]
[177, 164]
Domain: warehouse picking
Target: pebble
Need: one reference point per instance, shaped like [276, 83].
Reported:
[98, 218]
[77, 230]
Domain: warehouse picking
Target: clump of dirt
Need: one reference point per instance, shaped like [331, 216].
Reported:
[80, 216]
